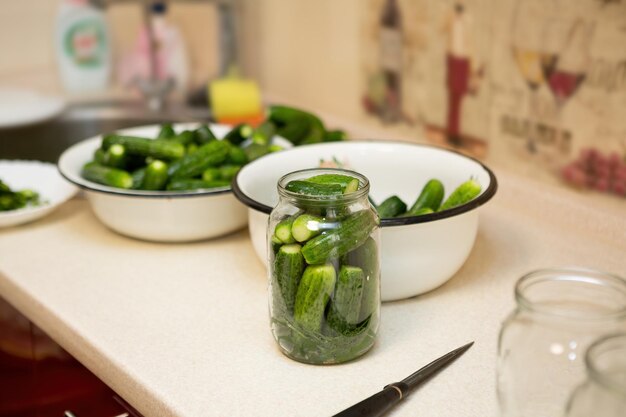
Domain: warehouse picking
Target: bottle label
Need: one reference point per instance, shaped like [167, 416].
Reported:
[391, 49]
[85, 43]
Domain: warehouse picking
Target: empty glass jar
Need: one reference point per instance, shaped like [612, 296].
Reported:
[604, 392]
[559, 313]
[324, 270]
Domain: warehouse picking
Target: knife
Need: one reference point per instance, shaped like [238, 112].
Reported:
[381, 402]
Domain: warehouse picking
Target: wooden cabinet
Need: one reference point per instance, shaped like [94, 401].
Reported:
[39, 379]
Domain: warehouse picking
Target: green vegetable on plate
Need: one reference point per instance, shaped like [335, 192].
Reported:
[13, 200]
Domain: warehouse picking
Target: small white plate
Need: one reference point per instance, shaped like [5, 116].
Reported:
[24, 107]
[41, 177]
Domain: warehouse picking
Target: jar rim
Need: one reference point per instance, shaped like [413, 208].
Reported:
[574, 275]
[341, 199]
[615, 341]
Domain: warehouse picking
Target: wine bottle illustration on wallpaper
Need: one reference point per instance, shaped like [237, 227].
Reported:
[463, 74]
[391, 59]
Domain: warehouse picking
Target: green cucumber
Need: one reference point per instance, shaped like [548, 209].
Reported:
[156, 148]
[5, 189]
[14, 199]
[211, 154]
[236, 156]
[366, 257]
[255, 151]
[190, 184]
[155, 176]
[283, 230]
[204, 134]
[309, 188]
[305, 227]
[348, 183]
[316, 132]
[99, 156]
[298, 126]
[280, 114]
[430, 197]
[228, 172]
[138, 176]
[335, 136]
[112, 177]
[462, 194]
[263, 133]
[166, 132]
[351, 233]
[185, 137]
[276, 244]
[239, 133]
[314, 290]
[115, 157]
[191, 148]
[294, 130]
[288, 267]
[391, 207]
[345, 307]
[211, 174]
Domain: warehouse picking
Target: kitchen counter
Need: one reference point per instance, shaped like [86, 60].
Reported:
[183, 329]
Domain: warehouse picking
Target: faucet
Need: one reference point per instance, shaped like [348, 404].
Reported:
[155, 90]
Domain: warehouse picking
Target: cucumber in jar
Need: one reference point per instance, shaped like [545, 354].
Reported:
[314, 291]
[288, 268]
[350, 233]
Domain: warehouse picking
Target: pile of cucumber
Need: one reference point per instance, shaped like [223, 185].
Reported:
[196, 159]
[13, 200]
[430, 200]
[325, 275]
[301, 127]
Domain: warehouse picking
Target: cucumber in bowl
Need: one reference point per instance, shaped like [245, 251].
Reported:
[149, 194]
[196, 152]
[419, 252]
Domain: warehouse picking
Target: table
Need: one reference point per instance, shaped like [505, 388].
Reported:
[183, 329]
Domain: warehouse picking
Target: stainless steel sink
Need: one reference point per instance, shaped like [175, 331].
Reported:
[47, 140]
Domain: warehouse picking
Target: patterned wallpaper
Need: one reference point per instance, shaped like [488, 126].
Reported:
[539, 83]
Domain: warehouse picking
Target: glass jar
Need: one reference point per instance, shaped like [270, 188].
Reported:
[540, 350]
[324, 271]
[604, 392]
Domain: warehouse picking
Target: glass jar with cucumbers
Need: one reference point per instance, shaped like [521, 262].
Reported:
[324, 266]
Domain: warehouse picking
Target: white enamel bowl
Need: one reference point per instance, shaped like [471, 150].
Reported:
[161, 216]
[418, 253]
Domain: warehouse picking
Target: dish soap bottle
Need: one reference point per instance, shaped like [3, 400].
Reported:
[82, 47]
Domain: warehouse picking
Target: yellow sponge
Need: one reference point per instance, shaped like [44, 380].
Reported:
[234, 98]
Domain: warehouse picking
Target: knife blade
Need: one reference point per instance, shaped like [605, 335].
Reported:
[381, 402]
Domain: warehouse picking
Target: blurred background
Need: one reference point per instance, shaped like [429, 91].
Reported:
[538, 87]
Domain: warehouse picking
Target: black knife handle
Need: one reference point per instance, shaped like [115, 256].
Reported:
[378, 404]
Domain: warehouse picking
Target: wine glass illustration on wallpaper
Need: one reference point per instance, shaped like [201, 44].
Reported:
[553, 49]
[565, 65]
